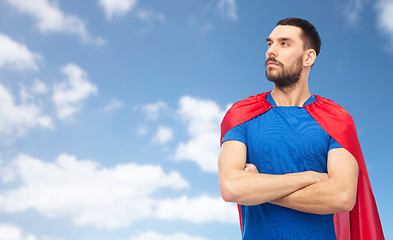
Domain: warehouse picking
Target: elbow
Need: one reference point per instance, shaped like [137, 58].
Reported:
[347, 201]
[227, 192]
[227, 196]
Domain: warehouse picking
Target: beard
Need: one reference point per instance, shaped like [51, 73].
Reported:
[287, 76]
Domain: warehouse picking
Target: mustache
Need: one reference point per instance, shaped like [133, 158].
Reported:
[272, 59]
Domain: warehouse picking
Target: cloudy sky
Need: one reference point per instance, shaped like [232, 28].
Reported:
[110, 109]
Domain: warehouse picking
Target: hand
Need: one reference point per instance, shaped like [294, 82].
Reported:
[251, 168]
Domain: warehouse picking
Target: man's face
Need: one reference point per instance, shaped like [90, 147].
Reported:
[284, 57]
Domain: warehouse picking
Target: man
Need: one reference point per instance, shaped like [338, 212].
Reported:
[291, 159]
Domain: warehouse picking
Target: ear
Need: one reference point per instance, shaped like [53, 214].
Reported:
[309, 57]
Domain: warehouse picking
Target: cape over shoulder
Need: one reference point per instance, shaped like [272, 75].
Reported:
[244, 110]
[362, 222]
[338, 123]
[321, 109]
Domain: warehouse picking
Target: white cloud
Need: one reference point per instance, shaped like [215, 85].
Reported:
[203, 118]
[228, 8]
[29, 94]
[25, 95]
[156, 236]
[385, 18]
[117, 7]
[69, 94]
[113, 105]
[141, 131]
[352, 10]
[198, 210]
[39, 87]
[50, 18]
[90, 194]
[206, 28]
[85, 191]
[16, 119]
[11, 232]
[16, 56]
[163, 135]
[114, 8]
[149, 15]
[153, 110]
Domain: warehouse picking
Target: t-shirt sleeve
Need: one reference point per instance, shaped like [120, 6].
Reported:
[237, 133]
[333, 144]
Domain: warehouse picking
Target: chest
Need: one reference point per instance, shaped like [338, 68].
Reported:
[285, 140]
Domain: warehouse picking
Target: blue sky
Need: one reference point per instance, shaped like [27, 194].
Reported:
[110, 109]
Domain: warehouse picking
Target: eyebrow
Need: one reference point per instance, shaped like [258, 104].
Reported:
[283, 39]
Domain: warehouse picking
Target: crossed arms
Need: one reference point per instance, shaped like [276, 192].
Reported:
[309, 191]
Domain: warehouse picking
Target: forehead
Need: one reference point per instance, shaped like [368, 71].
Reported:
[285, 31]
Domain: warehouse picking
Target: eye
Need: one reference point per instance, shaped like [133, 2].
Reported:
[269, 44]
[284, 44]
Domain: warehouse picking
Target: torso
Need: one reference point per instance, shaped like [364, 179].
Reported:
[284, 140]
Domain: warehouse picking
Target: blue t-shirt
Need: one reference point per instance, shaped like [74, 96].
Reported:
[279, 141]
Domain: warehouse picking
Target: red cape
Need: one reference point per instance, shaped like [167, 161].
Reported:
[362, 222]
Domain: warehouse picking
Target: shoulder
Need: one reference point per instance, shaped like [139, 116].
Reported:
[244, 110]
[255, 99]
[334, 119]
[330, 108]
[248, 108]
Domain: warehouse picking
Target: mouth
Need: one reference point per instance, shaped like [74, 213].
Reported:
[272, 62]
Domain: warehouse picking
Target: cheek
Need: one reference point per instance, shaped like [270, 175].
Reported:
[295, 60]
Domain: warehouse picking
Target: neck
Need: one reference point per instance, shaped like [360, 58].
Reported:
[295, 95]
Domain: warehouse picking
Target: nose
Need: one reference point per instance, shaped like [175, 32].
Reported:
[271, 51]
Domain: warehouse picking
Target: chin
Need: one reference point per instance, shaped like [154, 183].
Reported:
[270, 74]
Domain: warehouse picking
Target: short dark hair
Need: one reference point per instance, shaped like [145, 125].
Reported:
[310, 34]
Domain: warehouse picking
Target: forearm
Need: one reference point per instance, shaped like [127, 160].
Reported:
[320, 198]
[244, 186]
[249, 188]
[337, 194]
